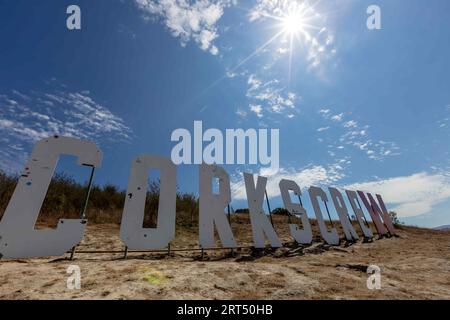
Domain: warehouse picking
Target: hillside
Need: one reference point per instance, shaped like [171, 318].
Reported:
[414, 265]
[443, 228]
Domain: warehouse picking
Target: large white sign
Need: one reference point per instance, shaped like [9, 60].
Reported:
[131, 231]
[19, 239]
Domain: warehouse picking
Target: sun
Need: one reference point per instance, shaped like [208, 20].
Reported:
[293, 24]
[295, 21]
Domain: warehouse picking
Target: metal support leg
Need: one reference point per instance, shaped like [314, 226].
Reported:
[329, 216]
[72, 253]
[268, 207]
[86, 201]
[300, 201]
[359, 204]
[229, 221]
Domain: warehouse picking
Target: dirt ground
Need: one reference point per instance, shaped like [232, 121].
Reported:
[415, 265]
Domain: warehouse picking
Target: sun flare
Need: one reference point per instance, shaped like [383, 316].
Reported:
[292, 24]
[295, 21]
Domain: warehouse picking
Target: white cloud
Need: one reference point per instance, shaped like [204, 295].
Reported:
[253, 82]
[337, 117]
[444, 122]
[188, 20]
[241, 113]
[306, 177]
[231, 74]
[323, 129]
[257, 110]
[410, 195]
[21, 95]
[282, 50]
[358, 136]
[35, 116]
[270, 96]
[351, 124]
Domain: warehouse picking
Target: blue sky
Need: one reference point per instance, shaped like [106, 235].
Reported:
[356, 108]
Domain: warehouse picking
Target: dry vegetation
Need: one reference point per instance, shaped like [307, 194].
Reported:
[414, 265]
[65, 199]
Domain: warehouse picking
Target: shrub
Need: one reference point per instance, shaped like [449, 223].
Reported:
[280, 212]
[65, 199]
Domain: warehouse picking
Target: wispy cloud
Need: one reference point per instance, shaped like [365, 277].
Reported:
[304, 177]
[188, 20]
[271, 97]
[351, 124]
[337, 117]
[351, 133]
[28, 117]
[412, 195]
[256, 109]
[241, 113]
[444, 122]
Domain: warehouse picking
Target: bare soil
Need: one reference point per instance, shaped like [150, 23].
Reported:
[415, 265]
